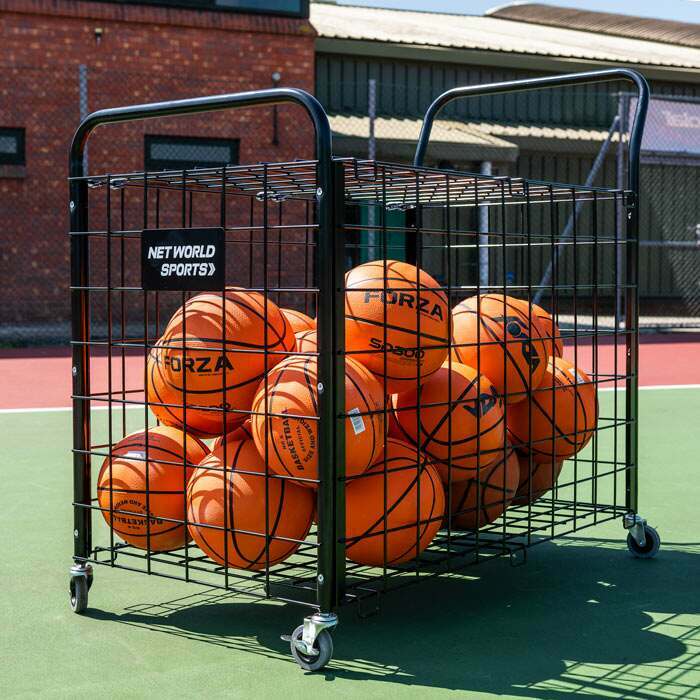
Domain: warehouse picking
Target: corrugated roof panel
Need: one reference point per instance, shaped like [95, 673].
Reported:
[492, 34]
[646, 28]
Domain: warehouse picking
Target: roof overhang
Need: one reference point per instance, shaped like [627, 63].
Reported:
[486, 57]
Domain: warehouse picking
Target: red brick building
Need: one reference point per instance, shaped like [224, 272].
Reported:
[64, 58]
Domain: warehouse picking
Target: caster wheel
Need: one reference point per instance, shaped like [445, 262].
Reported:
[651, 546]
[324, 644]
[79, 587]
[89, 581]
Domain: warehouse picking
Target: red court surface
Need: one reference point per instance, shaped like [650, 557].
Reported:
[41, 377]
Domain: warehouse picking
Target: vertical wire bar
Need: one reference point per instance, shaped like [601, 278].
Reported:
[575, 245]
[110, 436]
[556, 242]
[530, 389]
[616, 336]
[145, 389]
[450, 404]
[479, 290]
[122, 300]
[228, 477]
[594, 341]
[266, 361]
[419, 458]
[385, 287]
[185, 397]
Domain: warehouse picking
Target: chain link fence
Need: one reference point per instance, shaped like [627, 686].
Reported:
[43, 109]
[559, 136]
[554, 135]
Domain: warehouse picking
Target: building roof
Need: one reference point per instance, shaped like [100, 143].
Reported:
[646, 28]
[456, 141]
[396, 137]
[493, 34]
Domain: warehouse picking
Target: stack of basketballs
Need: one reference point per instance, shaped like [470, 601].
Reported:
[489, 425]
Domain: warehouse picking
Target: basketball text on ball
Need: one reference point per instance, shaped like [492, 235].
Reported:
[197, 364]
[484, 404]
[425, 305]
[378, 344]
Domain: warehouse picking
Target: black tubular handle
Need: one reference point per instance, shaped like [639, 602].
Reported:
[211, 103]
[550, 82]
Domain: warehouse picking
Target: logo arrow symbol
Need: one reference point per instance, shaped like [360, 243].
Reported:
[212, 269]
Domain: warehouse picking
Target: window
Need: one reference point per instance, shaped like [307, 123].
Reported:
[290, 8]
[11, 146]
[189, 152]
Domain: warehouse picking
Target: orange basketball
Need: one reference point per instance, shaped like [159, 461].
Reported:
[402, 311]
[204, 329]
[543, 477]
[242, 432]
[564, 414]
[395, 518]
[546, 326]
[298, 320]
[306, 341]
[460, 413]
[152, 490]
[293, 442]
[240, 508]
[491, 334]
[480, 500]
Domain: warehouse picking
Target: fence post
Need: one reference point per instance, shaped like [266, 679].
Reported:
[371, 154]
[622, 109]
[83, 104]
[486, 169]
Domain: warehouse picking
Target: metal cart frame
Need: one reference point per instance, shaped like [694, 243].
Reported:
[334, 182]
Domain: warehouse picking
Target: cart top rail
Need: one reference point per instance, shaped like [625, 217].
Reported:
[366, 182]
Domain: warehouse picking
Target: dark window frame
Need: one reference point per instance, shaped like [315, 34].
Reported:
[19, 158]
[152, 164]
[212, 6]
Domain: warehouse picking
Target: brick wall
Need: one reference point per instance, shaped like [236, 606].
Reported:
[139, 54]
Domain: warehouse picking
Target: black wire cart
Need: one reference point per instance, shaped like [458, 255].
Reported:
[287, 234]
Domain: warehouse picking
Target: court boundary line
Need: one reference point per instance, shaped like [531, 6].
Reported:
[59, 409]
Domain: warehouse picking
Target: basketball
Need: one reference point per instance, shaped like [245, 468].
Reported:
[298, 321]
[564, 414]
[546, 326]
[490, 333]
[480, 500]
[544, 476]
[240, 508]
[306, 341]
[370, 510]
[242, 432]
[204, 324]
[460, 413]
[292, 443]
[149, 491]
[399, 314]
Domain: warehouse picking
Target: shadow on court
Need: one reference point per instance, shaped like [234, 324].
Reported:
[581, 617]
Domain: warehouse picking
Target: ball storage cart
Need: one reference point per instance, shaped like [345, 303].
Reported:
[464, 388]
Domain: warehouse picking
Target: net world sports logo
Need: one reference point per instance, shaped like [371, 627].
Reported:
[515, 328]
[408, 300]
[184, 252]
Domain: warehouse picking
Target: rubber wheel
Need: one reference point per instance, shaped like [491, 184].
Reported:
[651, 546]
[78, 594]
[324, 644]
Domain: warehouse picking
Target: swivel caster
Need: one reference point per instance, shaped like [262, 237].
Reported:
[80, 583]
[643, 541]
[311, 643]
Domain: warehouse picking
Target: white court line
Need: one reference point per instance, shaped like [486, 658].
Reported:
[57, 409]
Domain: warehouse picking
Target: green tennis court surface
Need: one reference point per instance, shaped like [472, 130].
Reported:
[581, 618]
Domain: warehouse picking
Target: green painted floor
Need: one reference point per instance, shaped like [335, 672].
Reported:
[582, 618]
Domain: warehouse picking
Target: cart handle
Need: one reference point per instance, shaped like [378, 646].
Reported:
[211, 103]
[549, 82]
